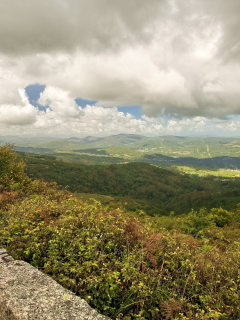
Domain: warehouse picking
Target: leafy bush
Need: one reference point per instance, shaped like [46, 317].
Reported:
[197, 222]
[11, 170]
[119, 265]
[221, 216]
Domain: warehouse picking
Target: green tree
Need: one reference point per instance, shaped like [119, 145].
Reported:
[11, 169]
[196, 222]
[221, 216]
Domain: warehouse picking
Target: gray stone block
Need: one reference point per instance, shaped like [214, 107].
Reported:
[28, 294]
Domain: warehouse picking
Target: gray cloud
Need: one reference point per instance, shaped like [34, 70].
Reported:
[227, 13]
[34, 26]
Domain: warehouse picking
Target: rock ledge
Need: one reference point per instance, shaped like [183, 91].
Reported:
[28, 294]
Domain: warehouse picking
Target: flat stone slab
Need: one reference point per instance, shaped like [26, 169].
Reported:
[28, 294]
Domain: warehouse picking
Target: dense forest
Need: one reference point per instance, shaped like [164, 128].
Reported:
[128, 266]
[153, 189]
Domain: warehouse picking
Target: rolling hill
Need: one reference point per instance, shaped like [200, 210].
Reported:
[140, 185]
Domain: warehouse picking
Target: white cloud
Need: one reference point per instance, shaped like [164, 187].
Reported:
[98, 120]
[23, 114]
[89, 120]
[59, 101]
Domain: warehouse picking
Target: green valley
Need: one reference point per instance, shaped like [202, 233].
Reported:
[142, 186]
[130, 170]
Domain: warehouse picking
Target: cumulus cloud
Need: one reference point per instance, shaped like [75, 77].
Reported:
[98, 120]
[179, 59]
[89, 120]
[23, 114]
[59, 101]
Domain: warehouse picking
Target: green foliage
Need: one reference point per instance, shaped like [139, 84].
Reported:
[119, 265]
[127, 267]
[198, 222]
[11, 170]
[221, 217]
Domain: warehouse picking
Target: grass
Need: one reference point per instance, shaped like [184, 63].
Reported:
[204, 172]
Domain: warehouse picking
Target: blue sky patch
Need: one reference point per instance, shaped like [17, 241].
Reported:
[33, 91]
[83, 102]
[134, 110]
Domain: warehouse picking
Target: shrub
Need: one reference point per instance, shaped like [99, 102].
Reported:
[197, 222]
[221, 216]
[11, 170]
[119, 265]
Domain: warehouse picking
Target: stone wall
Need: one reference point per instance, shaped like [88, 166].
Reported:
[28, 294]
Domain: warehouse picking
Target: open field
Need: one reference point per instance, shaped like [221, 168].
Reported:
[204, 171]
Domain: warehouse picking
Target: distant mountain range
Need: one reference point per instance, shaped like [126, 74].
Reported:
[209, 151]
[133, 139]
[117, 140]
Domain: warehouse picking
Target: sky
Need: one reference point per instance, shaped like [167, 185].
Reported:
[101, 67]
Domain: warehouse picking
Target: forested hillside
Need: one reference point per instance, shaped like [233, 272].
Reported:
[153, 189]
